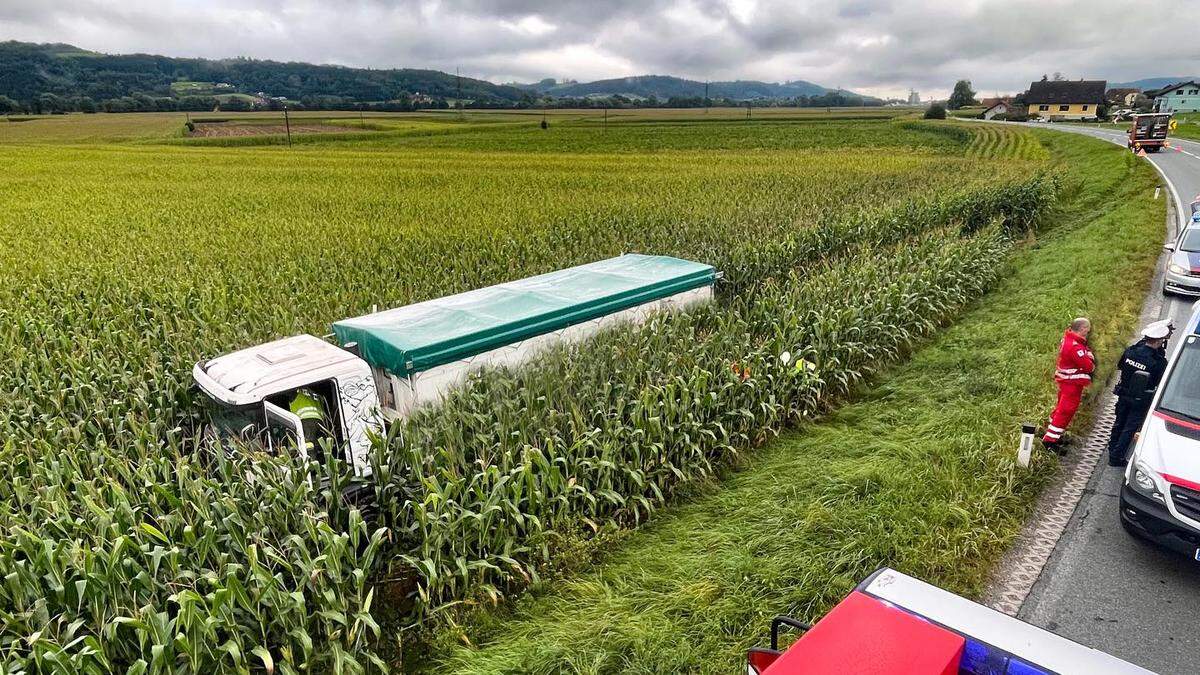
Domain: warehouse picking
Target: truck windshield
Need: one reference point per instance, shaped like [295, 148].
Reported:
[1181, 393]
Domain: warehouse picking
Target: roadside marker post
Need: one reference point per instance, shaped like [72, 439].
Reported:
[1025, 449]
[1156, 191]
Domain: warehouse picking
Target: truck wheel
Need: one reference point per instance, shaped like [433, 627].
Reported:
[361, 495]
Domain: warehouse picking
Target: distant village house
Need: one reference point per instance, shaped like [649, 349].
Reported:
[997, 106]
[1066, 99]
[1123, 97]
[1179, 97]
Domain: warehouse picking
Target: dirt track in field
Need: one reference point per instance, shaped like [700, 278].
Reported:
[219, 130]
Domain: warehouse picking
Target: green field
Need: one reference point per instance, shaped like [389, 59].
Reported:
[130, 253]
[917, 475]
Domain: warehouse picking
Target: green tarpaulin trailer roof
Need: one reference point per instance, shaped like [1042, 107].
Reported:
[417, 337]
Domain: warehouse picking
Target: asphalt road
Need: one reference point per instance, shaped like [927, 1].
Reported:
[1101, 587]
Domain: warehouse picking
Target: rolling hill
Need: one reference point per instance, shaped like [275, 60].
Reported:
[666, 86]
[1151, 82]
[29, 70]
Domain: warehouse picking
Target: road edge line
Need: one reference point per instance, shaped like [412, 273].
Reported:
[1020, 568]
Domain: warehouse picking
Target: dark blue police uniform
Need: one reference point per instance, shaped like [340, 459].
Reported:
[1141, 369]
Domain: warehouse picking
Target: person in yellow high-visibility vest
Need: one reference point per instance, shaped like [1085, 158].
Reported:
[309, 406]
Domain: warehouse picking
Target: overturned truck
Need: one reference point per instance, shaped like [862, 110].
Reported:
[387, 364]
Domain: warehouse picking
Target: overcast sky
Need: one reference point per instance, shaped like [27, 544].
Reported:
[880, 47]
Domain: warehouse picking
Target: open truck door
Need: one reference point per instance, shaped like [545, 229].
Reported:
[284, 428]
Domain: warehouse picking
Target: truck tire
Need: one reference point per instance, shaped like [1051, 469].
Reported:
[361, 495]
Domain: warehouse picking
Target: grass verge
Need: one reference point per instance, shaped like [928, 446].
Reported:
[918, 474]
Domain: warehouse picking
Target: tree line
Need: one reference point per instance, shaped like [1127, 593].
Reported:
[52, 104]
[51, 79]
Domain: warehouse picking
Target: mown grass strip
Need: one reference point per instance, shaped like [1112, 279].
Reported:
[918, 475]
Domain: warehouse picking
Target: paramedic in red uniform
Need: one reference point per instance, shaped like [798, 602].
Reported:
[1072, 375]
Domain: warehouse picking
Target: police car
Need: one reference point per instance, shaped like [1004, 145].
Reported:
[1182, 275]
[1160, 500]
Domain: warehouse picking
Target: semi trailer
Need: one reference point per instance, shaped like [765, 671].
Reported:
[383, 366]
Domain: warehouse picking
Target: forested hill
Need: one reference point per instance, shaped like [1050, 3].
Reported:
[30, 70]
[665, 86]
[50, 78]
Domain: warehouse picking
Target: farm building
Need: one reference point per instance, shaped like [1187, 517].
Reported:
[997, 106]
[1066, 99]
[1179, 97]
[1123, 97]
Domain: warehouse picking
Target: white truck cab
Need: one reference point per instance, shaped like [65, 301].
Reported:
[1160, 500]
[250, 392]
[388, 364]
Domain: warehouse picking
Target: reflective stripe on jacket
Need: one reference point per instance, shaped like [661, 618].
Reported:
[1075, 361]
[306, 406]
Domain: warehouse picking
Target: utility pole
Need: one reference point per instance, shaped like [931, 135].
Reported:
[606, 119]
[706, 97]
[458, 82]
[287, 123]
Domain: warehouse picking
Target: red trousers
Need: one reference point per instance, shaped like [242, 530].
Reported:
[1060, 419]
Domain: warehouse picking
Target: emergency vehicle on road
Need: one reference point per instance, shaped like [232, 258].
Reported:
[1182, 275]
[892, 623]
[1160, 500]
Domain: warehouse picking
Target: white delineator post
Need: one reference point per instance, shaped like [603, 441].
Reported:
[1026, 448]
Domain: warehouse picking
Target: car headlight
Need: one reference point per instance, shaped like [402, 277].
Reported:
[1142, 481]
[1177, 269]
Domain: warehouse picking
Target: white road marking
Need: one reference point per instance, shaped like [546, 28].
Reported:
[1039, 538]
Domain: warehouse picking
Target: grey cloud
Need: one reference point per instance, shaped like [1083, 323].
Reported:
[884, 46]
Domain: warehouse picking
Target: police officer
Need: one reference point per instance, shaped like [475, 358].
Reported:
[1142, 366]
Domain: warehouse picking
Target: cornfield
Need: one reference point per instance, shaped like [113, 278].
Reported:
[129, 545]
[999, 141]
